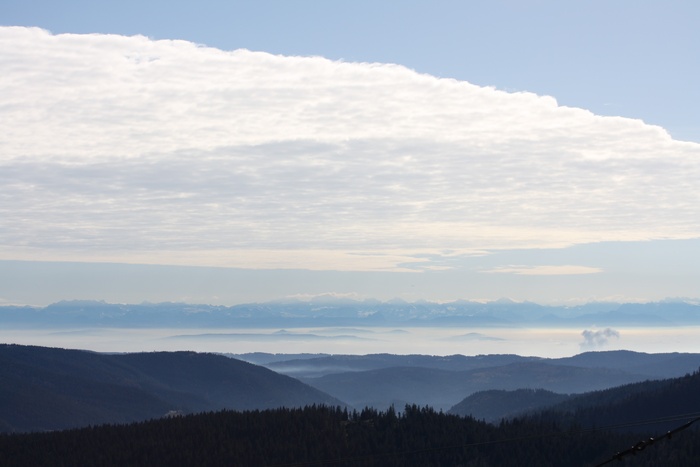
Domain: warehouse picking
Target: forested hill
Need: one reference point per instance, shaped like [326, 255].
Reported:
[441, 382]
[625, 404]
[52, 389]
[651, 400]
[74, 388]
[316, 436]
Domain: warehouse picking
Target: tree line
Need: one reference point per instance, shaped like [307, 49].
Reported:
[322, 435]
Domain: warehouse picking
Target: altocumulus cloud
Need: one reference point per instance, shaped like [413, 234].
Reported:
[128, 149]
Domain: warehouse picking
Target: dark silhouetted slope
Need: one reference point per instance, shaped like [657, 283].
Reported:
[649, 400]
[494, 405]
[49, 389]
[329, 364]
[443, 389]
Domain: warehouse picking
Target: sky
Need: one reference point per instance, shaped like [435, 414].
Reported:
[230, 152]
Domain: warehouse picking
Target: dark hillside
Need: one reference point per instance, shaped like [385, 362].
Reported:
[631, 403]
[622, 404]
[222, 382]
[494, 405]
[50, 389]
[330, 364]
[443, 389]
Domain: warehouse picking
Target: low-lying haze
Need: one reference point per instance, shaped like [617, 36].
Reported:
[559, 342]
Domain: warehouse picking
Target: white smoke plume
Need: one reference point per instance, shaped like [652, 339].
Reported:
[597, 339]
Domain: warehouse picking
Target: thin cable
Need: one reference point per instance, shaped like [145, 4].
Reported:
[642, 445]
[672, 418]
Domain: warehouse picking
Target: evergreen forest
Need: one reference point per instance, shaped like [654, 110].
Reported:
[322, 435]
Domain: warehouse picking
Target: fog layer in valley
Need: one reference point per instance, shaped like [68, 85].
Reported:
[549, 342]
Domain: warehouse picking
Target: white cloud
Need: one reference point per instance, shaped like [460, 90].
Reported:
[563, 270]
[132, 150]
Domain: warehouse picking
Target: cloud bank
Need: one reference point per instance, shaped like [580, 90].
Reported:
[126, 149]
[565, 270]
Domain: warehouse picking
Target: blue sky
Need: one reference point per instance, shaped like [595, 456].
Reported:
[138, 168]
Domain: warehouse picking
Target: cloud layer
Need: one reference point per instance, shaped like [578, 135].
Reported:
[546, 270]
[127, 149]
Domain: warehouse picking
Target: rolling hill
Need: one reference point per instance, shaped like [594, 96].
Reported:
[577, 432]
[51, 389]
[382, 380]
[442, 389]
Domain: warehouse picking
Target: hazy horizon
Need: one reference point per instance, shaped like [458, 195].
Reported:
[338, 325]
[546, 343]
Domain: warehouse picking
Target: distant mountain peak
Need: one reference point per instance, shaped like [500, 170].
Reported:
[504, 301]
